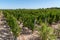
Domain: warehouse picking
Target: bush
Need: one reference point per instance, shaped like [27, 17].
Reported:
[12, 22]
[46, 33]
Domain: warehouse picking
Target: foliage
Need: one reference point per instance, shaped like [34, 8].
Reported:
[46, 33]
[12, 22]
[42, 15]
[30, 17]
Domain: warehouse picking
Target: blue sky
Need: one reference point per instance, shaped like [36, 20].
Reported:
[13, 4]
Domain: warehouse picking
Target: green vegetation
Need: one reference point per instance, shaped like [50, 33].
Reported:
[41, 15]
[12, 22]
[46, 33]
[30, 17]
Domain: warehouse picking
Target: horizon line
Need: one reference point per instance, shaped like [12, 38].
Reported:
[30, 8]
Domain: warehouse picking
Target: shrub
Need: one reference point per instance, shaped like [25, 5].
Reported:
[46, 33]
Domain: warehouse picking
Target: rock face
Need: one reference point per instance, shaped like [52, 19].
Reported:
[5, 33]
